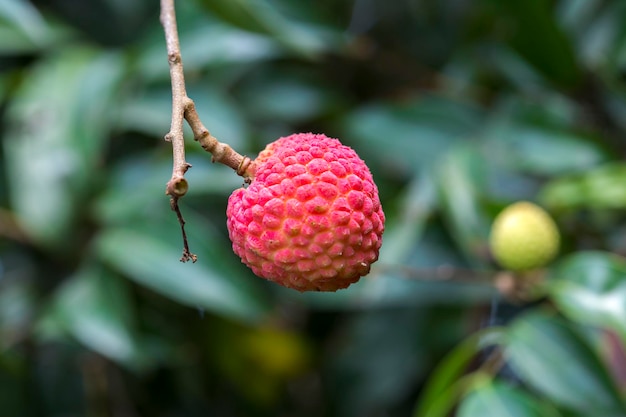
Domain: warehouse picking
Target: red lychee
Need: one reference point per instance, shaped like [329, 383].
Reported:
[311, 218]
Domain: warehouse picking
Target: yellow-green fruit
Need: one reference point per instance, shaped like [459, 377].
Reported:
[524, 237]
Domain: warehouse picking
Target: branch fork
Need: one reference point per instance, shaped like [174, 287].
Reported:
[183, 108]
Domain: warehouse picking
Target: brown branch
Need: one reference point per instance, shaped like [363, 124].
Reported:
[221, 152]
[183, 108]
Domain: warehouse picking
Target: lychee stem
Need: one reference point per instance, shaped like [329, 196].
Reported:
[221, 152]
[183, 108]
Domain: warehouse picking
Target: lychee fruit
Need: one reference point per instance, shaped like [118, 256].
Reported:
[311, 218]
[524, 237]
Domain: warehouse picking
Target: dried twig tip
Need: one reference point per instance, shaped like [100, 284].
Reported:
[177, 187]
[188, 256]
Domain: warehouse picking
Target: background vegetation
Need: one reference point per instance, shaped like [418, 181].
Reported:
[459, 107]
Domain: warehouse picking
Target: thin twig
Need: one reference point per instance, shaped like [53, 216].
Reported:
[187, 255]
[183, 108]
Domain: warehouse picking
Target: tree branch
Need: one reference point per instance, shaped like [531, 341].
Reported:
[183, 108]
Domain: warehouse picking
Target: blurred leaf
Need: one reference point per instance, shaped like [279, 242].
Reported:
[602, 188]
[18, 304]
[514, 68]
[615, 101]
[461, 177]
[595, 25]
[94, 306]
[366, 386]
[496, 399]
[135, 190]
[287, 96]
[228, 46]
[553, 358]
[263, 17]
[14, 383]
[155, 264]
[563, 193]
[151, 113]
[534, 33]
[58, 124]
[597, 45]
[443, 389]
[590, 288]
[551, 111]
[136, 187]
[21, 26]
[574, 14]
[540, 150]
[416, 133]
[399, 287]
[417, 205]
[253, 16]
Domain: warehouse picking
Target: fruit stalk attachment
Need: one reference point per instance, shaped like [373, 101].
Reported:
[183, 108]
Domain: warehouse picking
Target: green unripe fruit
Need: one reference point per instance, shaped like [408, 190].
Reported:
[524, 237]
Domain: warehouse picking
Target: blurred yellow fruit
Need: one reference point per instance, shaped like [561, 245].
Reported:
[524, 237]
[261, 360]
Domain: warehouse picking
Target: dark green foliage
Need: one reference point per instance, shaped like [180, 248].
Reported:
[459, 108]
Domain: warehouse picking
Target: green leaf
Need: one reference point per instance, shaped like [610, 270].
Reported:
[151, 113]
[461, 179]
[263, 17]
[574, 14]
[496, 399]
[602, 188]
[135, 188]
[155, 264]
[228, 46]
[563, 193]
[596, 27]
[541, 150]
[535, 34]
[549, 355]
[411, 134]
[58, 123]
[288, 96]
[18, 304]
[590, 288]
[442, 390]
[418, 203]
[511, 66]
[21, 26]
[94, 306]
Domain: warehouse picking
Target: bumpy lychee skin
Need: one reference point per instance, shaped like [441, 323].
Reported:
[524, 237]
[311, 218]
